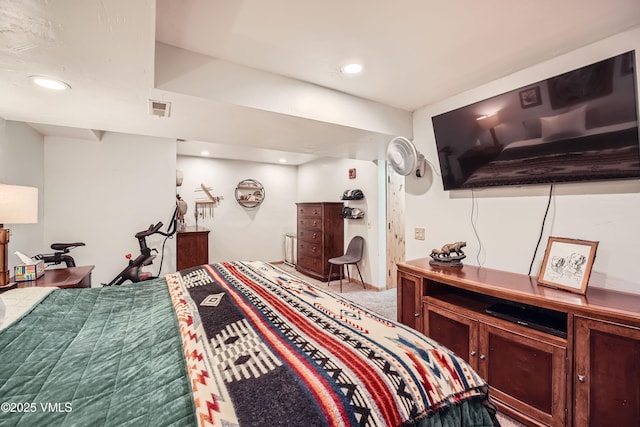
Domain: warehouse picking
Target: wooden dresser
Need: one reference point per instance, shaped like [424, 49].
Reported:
[192, 247]
[584, 371]
[320, 236]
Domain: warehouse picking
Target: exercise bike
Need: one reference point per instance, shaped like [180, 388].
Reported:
[134, 270]
[60, 255]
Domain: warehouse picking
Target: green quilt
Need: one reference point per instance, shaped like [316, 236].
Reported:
[96, 357]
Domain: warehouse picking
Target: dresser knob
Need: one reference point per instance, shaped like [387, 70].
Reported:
[416, 315]
[473, 353]
[581, 378]
[482, 357]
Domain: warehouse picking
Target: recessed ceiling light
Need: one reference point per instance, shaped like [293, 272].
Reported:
[283, 160]
[353, 68]
[48, 83]
[204, 153]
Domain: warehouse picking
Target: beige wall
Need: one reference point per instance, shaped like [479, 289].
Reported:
[21, 163]
[239, 233]
[103, 192]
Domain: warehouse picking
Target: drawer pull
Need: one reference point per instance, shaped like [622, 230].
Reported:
[315, 235]
[416, 315]
[315, 223]
[473, 353]
[581, 378]
[482, 357]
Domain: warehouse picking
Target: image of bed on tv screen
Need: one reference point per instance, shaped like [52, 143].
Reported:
[574, 127]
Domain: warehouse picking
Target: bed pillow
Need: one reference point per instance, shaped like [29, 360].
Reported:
[562, 126]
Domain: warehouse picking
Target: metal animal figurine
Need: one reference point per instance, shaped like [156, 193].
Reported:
[444, 256]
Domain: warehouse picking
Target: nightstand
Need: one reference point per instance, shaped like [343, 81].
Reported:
[192, 247]
[71, 277]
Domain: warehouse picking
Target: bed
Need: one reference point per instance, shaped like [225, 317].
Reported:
[608, 152]
[226, 344]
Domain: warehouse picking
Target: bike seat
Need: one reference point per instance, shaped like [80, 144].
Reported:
[65, 246]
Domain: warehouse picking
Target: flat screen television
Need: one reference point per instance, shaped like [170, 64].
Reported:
[574, 127]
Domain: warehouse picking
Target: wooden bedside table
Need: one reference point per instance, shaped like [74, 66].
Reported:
[72, 277]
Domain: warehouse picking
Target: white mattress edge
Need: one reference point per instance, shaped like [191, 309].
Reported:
[20, 301]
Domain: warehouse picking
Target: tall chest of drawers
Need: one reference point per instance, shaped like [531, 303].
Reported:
[320, 236]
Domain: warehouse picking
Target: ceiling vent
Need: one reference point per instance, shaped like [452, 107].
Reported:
[159, 108]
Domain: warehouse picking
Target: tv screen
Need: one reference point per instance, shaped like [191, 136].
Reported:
[578, 126]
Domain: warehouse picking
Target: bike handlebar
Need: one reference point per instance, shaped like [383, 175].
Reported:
[149, 231]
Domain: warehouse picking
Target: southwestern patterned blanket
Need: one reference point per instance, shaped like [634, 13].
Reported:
[227, 344]
[267, 348]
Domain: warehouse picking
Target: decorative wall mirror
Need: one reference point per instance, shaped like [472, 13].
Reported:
[249, 193]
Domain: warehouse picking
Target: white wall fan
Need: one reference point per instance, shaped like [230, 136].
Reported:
[404, 158]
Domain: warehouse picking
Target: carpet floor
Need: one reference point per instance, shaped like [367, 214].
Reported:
[383, 302]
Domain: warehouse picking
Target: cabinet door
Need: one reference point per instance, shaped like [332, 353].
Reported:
[525, 373]
[410, 300]
[456, 332]
[192, 249]
[607, 374]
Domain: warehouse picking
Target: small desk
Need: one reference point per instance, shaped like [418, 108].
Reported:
[72, 277]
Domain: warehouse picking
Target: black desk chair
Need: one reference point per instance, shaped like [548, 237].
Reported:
[352, 256]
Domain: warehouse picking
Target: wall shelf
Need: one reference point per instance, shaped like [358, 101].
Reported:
[249, 193]
[353, 212]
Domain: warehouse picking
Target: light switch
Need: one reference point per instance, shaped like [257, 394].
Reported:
[419, 233]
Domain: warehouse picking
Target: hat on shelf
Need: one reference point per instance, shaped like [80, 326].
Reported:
[356, 213]
[352, 213]
[355, 194]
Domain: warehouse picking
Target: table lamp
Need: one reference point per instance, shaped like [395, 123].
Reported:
[18, 205]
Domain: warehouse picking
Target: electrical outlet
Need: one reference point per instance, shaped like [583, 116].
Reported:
[419, 233]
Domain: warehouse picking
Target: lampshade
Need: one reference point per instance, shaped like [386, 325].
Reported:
[18, 204]
[488, 122]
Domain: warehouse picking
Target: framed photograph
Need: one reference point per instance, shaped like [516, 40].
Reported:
[530, 97]
[567, 264]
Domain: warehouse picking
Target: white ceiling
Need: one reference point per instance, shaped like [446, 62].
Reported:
[262, 78]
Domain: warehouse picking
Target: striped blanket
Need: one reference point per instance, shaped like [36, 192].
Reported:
[266, 348]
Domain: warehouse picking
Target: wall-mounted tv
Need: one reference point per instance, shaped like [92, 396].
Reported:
[575, 127]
